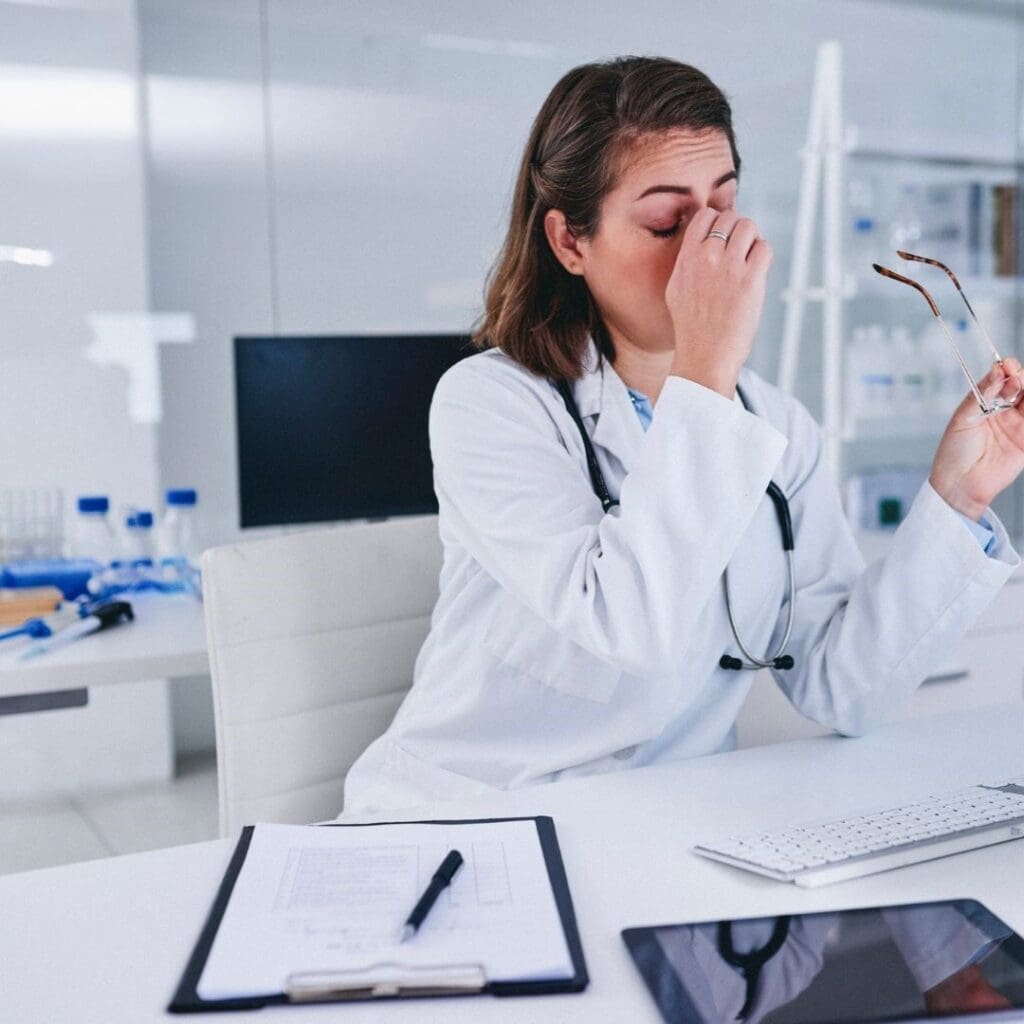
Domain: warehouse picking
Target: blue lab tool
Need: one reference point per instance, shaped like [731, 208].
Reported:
[95, 617]
[46, 625]
[69, 575]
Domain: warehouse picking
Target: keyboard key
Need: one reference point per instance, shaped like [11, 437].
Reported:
[909, 830]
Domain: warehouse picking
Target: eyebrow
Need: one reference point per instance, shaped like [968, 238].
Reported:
[685, 190]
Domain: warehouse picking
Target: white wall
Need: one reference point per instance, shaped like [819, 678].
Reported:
[378, 197]
[73, 184]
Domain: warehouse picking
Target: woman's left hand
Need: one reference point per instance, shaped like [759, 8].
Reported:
[976, 460]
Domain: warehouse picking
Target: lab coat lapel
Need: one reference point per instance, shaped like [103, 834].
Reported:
[618, 427]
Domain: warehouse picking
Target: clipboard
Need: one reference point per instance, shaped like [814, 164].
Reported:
[387, 981]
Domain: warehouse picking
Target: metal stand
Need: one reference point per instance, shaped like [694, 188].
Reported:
[823, 166]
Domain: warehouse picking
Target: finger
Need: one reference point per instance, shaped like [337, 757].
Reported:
[698, 228]
[760, 256]
[1010, 388]
[743, 236]
[994, 379]
[1011, 368]
[725, 222]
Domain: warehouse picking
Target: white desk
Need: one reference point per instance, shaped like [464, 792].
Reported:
[106, 941]
[166, 640]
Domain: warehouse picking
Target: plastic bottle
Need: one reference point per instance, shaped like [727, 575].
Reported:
[138, 538]
[878, 382]
[946, 384]
[905, 226]
[864, 241]
[177, 539]
[911, 381]
[870, 380]
[865, 245]
[92, 537]
[855, 370]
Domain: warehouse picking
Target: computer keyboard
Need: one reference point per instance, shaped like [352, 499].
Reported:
[833, 851]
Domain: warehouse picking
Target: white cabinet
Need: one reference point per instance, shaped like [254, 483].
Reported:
[988, 668]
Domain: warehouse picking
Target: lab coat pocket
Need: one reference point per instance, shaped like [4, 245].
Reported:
[526, 643]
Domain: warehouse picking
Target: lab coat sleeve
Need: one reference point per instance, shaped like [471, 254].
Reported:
[865, 638]
[626, 586]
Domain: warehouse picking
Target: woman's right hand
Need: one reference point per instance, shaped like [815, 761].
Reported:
[715, 296]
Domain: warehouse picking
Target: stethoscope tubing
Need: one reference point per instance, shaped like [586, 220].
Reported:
[778, 497]
[770, 661]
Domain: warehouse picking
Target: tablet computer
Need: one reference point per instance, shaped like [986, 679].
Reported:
[914, 962]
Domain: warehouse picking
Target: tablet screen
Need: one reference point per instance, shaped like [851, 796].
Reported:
[904, 963]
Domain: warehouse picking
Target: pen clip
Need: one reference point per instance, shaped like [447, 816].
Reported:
[384, 980]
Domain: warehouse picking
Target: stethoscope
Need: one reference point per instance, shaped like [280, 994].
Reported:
[778, 660]
[751, 963]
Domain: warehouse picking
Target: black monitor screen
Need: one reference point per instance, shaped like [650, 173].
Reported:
[336, 427]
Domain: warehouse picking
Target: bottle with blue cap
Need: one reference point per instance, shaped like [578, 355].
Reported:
[138, 539]
[92, 536]
[177, 540]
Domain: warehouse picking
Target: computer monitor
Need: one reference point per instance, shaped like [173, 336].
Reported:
[335, 428]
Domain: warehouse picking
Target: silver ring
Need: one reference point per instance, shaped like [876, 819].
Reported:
[718, 234]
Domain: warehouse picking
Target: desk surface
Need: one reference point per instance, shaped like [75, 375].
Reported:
[107, 940]
[167, 639]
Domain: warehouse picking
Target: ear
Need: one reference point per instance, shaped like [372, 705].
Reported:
[563, 243]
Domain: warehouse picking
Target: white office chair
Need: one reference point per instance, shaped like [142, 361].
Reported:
[312, 638]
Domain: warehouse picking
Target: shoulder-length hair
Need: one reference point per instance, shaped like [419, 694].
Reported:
[535, 310]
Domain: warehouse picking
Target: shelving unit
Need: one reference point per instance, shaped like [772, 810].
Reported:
[829, 145]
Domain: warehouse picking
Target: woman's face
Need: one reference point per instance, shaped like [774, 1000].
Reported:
[627, 263]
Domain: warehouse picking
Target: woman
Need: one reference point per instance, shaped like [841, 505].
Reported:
[575, 635]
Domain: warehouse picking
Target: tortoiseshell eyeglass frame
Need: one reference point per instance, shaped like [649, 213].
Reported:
[988, 407]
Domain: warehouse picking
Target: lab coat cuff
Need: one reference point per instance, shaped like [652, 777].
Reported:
[981, 531]
[697, 402]
[948, 528]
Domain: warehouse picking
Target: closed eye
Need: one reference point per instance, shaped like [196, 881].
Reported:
[667, 233]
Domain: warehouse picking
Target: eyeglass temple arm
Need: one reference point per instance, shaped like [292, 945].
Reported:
[886, 272]
[963, 295]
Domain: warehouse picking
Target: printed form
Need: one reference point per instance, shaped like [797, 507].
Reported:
[322, 898]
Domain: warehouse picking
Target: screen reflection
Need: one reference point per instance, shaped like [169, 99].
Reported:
[883, 964]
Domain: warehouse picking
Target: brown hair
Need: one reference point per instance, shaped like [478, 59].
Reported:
[535, 310]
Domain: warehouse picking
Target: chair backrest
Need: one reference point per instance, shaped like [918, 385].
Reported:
[312, 637]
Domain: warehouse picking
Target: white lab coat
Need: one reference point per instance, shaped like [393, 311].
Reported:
[567, 641]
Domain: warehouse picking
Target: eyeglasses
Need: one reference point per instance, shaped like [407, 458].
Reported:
[989, 407]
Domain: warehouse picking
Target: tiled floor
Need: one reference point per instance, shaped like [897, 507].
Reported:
[183, 810]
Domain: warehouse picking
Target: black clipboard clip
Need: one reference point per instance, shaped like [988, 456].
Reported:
[385, 980]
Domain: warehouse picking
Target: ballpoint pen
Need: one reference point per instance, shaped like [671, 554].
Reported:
[442, 879]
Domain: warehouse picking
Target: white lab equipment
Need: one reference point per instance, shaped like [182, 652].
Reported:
[871, 380]
[910, 380]
[880, 499]
[137, 539]
[864, 243]
[92, 536]
[31, 523]
[905, 224]
[945, 381]
[178, 546]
